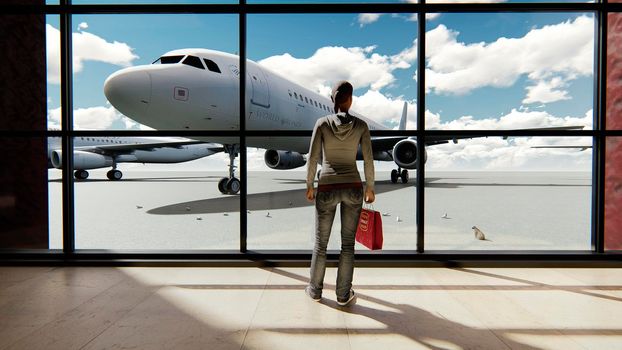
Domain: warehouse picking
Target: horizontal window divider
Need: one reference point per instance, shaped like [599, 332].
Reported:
[302, 258]
[306, 8]
[509, 133]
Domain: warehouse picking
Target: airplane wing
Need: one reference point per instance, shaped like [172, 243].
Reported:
[129, 148]
[387, 143]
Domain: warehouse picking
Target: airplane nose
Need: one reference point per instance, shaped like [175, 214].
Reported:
[129, 91]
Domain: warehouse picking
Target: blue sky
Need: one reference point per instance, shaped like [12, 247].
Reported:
[542, 87]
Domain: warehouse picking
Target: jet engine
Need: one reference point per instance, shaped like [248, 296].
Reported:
[283, 160]
[405, 154]
[82, 160]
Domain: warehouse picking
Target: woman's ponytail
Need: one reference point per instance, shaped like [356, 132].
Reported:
[341, 93]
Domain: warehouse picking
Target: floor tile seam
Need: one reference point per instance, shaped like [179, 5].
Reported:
[250, 322]
[345, 324]
[535, 317]
[121, 316]
[484, 324]
[42, 273]
[60, 316]
[30, 280]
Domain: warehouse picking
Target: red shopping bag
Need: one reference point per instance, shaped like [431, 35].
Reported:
[369, 229]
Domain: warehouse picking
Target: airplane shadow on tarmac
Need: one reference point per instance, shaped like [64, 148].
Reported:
[296, 198]
[257, 201]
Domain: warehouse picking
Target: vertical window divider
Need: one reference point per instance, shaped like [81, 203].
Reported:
[66, 66]
[599, 155]
[242, 129]
[420, 180]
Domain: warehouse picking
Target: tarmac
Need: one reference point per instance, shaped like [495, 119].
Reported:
[183, 210]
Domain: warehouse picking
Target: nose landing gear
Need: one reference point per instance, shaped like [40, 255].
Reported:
[230, 185]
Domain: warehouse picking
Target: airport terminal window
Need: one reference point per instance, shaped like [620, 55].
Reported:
[194, 62]
[528, 91]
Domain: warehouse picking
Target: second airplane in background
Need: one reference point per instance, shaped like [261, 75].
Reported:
[103, 152]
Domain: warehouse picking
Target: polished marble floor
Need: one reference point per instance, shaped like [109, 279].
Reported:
[266, 308]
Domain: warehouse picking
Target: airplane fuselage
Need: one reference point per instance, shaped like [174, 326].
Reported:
[184, 93]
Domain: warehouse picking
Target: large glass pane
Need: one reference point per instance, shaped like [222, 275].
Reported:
[289, 87]
[613, 194]
[52, 54]
[497, 1]
[23, 194]
[172, 72]
[614, 71]
[509, 70]
[175, 204]
[280, 217]
[324, 1]
[55, 193]
[164, 2]
[520, 193]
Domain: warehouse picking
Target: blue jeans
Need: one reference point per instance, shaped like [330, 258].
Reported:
[351, 200]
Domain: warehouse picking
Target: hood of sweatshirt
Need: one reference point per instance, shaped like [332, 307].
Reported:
[342, 125]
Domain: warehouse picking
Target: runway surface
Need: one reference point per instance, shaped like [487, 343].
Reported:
[184, 210]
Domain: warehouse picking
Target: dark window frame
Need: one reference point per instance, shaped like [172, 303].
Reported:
[69, 254]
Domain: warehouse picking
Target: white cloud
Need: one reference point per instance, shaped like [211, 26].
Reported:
[86, 47]
[550, 56]
[83, 26]
[361, 66]
[93, 118]
[383, 109]
[368, 18]
[546, 91]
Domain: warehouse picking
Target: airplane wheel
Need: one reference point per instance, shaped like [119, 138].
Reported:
[233, 186]
[81, 174]
[394, 176]
[404, 176]
[114, 175]
[222, 185]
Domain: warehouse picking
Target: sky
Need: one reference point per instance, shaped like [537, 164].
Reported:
[483, 71]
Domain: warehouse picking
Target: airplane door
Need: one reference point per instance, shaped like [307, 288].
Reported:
[260, 93]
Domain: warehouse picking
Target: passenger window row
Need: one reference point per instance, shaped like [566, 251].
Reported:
[309, 101]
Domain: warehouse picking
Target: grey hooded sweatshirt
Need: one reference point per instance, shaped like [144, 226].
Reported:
[336, 138]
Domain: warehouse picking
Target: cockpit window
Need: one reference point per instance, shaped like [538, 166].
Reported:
[193, 61]
[168, 60]
[211, 65]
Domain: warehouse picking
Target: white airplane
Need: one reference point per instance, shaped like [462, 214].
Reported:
[198, 89]
[102, 152]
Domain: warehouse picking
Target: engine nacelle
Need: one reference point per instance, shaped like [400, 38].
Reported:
[405, 154]
[283, 160]
[82, 160]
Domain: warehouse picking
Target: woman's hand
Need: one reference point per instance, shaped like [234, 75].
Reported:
[370, 196]
[310, 194]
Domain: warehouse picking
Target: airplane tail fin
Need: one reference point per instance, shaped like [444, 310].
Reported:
[404, 116]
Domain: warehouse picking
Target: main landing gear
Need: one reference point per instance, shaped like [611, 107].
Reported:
[230, 185]
[81, 174]
[399, 173]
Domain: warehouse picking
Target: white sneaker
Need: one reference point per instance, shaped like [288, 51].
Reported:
[310, 294]
[350, 301]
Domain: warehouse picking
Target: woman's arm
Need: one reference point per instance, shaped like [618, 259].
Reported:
[368, 163]
[315, 150]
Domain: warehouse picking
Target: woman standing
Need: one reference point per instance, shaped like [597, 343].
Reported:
[335, 141]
